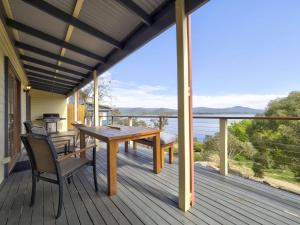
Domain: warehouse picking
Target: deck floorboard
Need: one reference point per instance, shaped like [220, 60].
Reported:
[146, 198]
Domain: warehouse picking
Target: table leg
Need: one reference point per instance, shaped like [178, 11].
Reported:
[82, 143]
[156, 154]
[126, 146]
[112, 149]
[162, 152]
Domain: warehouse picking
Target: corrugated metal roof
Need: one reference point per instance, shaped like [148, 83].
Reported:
[40, 57]
[104, 39]
[149, 6]
[37, 19]
[66, 65]
[109, 17]
[64, 5]
[39, 43]
[89, 42]
[80, 58]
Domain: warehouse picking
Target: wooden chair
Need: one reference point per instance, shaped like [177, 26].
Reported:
[63, 142]
[44, 160]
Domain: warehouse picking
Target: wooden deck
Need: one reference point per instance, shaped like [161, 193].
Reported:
[146, 198]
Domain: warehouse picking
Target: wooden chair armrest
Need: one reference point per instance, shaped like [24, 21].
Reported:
[75, 153]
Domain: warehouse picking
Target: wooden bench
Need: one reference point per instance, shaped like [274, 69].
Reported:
[165, 144]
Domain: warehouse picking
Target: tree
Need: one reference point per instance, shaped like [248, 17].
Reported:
[236, 148]
[277, 141]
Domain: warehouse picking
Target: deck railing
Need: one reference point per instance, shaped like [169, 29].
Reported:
[205, 127]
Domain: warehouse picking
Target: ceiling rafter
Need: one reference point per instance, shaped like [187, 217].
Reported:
[37, 69]
[51, 55]
[49, 79]
[50, 65]
[51, 83]
[137, 11]
[59, 14]
[33, 83]
[47, 89]
[46, 37]
[70, 28]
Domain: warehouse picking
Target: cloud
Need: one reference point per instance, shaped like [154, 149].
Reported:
[150, 96]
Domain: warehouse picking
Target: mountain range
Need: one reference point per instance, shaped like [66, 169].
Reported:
[196, 110]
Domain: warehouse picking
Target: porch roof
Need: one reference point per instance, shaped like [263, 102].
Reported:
[61, 42]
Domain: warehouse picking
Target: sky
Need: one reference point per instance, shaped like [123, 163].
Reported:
[244, 53]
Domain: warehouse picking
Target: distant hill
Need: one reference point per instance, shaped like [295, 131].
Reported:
[146, 111]
[231, 110]
[196, 110]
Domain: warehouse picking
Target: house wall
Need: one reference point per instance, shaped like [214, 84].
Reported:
[7, 49]
[47, 102]
[2, 115]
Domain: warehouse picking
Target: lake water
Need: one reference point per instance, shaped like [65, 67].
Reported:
[201, 127]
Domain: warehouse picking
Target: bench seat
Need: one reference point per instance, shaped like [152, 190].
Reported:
[166, 142]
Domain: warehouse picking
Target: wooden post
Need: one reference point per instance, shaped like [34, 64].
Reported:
[100, 121]
[130, 121]
[183, 106]
[160, 122]
[223, 147]
[192, 183]
[76, 105]
[96, 99]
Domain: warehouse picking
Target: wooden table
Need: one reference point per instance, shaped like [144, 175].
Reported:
[113, 137]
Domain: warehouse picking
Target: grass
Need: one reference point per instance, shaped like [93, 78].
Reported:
[281, 178]
[281, 174]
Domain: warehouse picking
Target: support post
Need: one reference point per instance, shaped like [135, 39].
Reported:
[96, 99]
[100, 121]
[76, 105]
[223, 147]
[130, 123]
[160, 122]
[183, 106]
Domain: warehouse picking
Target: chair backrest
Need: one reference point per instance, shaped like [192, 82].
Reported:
[28, 125]
[41, 153]
[33, 129]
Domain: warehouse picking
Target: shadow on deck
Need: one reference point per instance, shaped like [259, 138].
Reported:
[146, 198]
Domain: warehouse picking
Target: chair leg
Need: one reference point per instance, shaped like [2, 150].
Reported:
[33, 189]
[94, 170]
[60, 198]
[171, 155]
[69, 179]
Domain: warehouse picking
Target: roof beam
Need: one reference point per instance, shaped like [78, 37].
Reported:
[50, 65]
[59, 14]
[57, 82]
[51, 55]
[52, 84]
[37, 69]
[161, 20]
[50, 78]
[136, 10]
[42, 88]
[46, 37]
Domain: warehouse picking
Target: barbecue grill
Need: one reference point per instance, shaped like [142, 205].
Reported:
[52, 118]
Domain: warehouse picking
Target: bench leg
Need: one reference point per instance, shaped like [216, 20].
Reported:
[126, 146]
[134, 145]
[171, 155]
